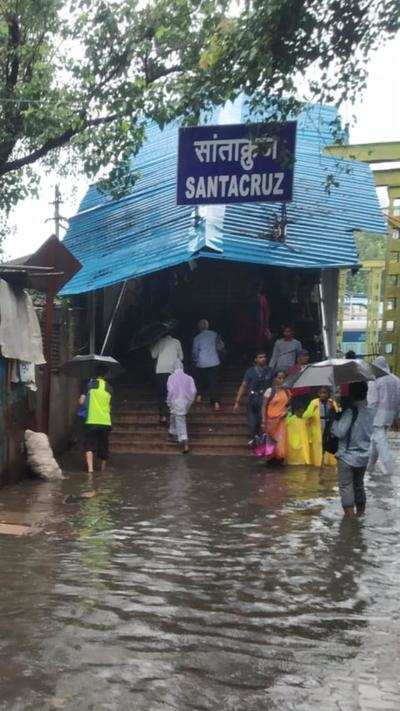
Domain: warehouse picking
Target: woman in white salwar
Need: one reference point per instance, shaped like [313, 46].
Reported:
[181, 394]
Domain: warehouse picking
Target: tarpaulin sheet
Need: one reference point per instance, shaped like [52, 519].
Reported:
[20, 334]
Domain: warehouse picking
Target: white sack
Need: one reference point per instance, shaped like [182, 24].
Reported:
[40, 456]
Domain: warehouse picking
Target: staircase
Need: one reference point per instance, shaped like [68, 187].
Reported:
[136, 428]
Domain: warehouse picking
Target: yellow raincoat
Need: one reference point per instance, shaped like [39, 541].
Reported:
[298, 448]
[313, 419]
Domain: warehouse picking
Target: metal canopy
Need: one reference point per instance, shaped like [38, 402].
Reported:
[146, 231]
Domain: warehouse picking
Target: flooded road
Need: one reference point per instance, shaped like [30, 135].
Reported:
[195, 583]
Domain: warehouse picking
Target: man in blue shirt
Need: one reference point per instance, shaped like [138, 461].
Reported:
[207, 346]
[255, 382]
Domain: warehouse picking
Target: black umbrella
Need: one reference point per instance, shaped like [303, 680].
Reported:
[334, 372]
[85, 366]
[151, 333]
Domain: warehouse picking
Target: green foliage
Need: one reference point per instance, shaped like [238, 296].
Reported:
[79, 79]
[369, 247]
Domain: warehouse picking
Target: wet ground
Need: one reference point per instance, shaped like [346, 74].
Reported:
[195, 583]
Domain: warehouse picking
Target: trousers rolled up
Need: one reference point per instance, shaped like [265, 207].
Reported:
[351, 485]
[380, 450]
[178, 428]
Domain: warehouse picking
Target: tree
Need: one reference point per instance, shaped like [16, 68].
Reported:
[369, 248]
[79, 79]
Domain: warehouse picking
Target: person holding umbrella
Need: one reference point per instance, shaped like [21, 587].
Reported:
[354, 431]
[97, 427]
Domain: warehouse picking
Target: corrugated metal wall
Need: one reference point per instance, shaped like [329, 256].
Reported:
[146, 231]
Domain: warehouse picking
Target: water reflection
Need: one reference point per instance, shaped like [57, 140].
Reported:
[195, 583]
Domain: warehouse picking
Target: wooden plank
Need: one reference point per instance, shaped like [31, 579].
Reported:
[390, 178]
[10, 529]
[367, 152]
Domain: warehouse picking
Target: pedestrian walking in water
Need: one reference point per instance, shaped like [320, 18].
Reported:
[255, 382]
[298, 446]
[276, 402]
[97, 427]
[181, 394]
[384, 400]
[354, 432]
[165, 352]
[206, 350]
[318, 415]
[285, 352]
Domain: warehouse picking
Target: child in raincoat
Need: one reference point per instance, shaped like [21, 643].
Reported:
[181, 394]
[298, 447]
[317, 415]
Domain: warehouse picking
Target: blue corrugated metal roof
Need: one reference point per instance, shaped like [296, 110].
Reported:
[146, 231]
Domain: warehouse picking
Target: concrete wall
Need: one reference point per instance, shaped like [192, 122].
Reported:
[330, 283]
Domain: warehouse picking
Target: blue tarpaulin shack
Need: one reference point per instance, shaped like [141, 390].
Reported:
[146, 232]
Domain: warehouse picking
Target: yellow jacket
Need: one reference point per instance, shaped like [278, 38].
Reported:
[313, 419]
[298, 448]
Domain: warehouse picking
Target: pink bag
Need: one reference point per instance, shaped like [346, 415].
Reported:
[266, 449]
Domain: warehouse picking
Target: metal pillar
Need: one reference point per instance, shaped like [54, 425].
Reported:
[92, 322]
[113, 316]
[325, 339]
[341, 298]
[375, 269]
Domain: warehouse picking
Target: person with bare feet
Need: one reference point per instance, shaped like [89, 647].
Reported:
[354, 432]
[97, 420]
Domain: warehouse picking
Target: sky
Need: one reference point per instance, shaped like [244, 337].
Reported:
[377, 119]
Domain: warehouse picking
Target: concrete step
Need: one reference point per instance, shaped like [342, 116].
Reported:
[120, 398]
[160, 434]
[136, 428]
[135, 419]
[153, 440]
[198, 430]
[196, 449]
[152, 406]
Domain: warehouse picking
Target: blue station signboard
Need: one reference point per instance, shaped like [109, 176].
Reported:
[236, 163]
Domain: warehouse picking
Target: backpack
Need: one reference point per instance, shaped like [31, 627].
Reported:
[330, 443]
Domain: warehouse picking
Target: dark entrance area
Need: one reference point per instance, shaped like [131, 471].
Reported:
[230, 295]
[234, 298]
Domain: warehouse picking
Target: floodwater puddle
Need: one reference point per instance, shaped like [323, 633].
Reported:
[199, 583]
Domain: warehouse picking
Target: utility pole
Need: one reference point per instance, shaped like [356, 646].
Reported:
[58, 219]
[48, 320]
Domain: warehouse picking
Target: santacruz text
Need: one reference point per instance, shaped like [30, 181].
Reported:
[226, 186]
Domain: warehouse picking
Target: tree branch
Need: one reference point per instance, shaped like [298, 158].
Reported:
[53, 143]
[153, 73]
[14, 37]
